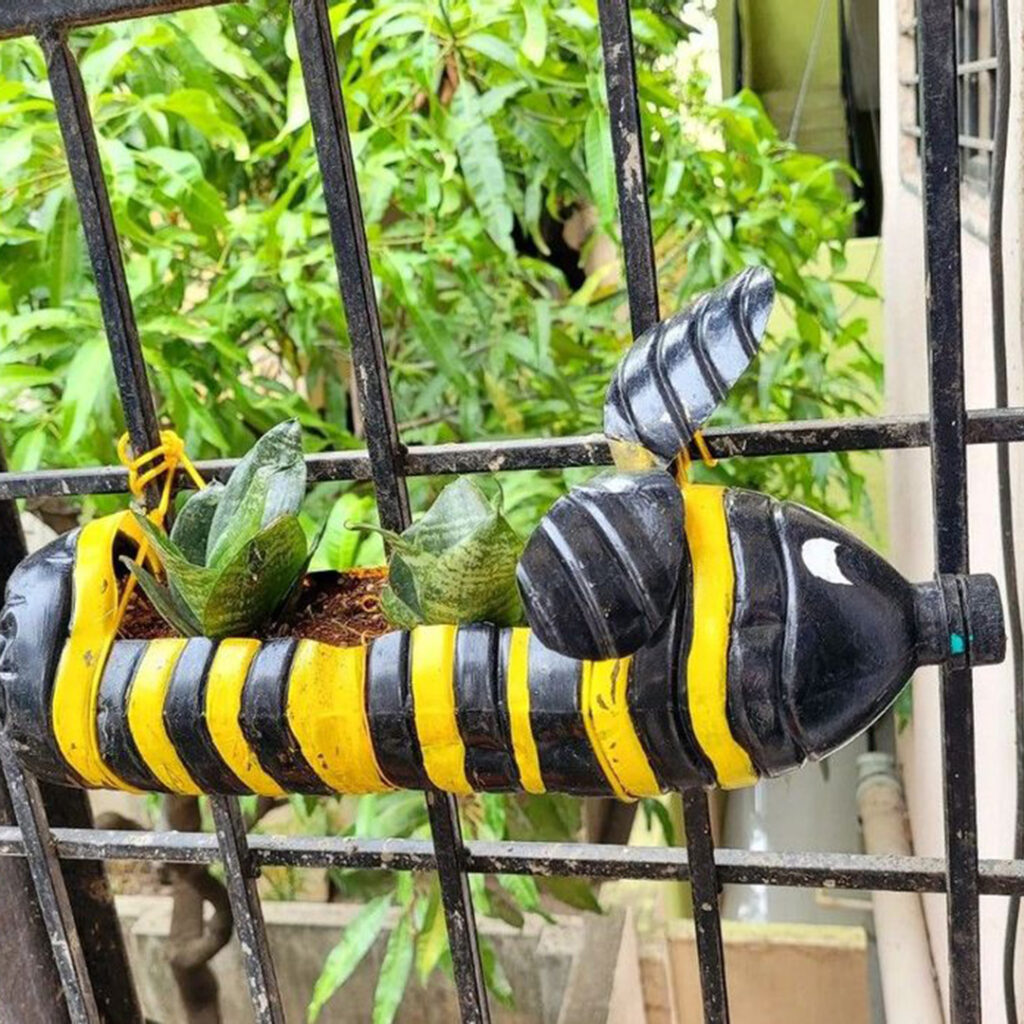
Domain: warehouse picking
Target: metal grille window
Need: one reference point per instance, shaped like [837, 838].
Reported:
[49, 831]
[976, 75]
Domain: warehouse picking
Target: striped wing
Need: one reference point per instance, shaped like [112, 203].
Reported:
[677, 373]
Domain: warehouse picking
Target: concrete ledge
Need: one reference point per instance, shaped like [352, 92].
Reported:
[583, 969]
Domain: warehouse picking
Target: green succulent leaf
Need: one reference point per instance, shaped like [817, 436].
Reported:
[191, 584]
[163, 600]
[456, 564]
[268, 483]
[458, 510]
[256, 580]
[398, 613]
[192, 523]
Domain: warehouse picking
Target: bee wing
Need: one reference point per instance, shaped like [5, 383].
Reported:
[677, 373]
[599, 575]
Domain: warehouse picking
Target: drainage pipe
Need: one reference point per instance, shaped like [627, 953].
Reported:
[909, 988]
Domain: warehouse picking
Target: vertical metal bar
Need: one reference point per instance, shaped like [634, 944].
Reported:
[630, 165]
[27, 803]
[642, 286]
[34, 993]
[351, 255]
[31, 985]
[101, 237]
[941, 193]
[240, 876]
[706, 919]
[140, 416]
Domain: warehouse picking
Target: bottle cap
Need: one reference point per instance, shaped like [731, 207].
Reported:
[960, 621]
[983, 612]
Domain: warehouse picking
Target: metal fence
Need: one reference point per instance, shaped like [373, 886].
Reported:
[49, 831]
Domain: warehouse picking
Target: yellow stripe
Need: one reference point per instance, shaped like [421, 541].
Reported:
[610, 729]
[707, 535]
[432, 677]
[224, 705]
[518, 689]
[326, 710]
[93, 625]
[146, 715]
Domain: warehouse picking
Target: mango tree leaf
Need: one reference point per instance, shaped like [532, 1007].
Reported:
[535, 38]
[162, 599]
[258, 578]
[575, 892]
[88, 377]
[494, 974]
[600, 167]
[394, 972]
[433, 938]
[275, 465]
[477, 146]
[346, 956]
[192, 523]
[340, 543]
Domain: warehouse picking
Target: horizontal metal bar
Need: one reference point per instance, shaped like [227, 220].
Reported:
[972, 67]
[29, 17]
[805, 437]
[587, 860]
[965, 141]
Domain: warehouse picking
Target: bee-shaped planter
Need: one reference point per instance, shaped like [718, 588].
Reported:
[680, 636]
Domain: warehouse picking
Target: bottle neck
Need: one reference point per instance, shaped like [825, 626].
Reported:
[959, 620]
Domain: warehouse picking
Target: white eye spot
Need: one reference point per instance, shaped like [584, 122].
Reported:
[819, 555]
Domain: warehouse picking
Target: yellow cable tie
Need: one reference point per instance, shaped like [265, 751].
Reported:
[705, 454]
[172, 452]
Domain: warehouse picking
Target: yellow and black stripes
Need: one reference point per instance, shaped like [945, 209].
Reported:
[263, 719]
[461, 708]
[707, 657]
[756, 705]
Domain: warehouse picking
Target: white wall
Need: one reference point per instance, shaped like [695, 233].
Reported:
[910, 496]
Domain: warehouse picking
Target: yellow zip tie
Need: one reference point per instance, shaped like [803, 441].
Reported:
[171, 451]
[683, 461]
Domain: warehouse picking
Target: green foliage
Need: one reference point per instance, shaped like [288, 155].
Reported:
[235, 552]
[455, 564]
[479, 127]
[341, 546]
[356, 942]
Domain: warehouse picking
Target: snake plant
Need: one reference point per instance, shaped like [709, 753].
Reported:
[237, 550]
[456, 564]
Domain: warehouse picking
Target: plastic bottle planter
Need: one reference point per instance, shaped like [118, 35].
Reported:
[681, 637]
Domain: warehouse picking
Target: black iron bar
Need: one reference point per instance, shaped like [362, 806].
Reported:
[51, 891]
[586, 860]
[984, 426]
[941, 200]
[240, 874]
[141, 419]
[31, 988]
[384, 448]
[642, 287]
[351, 257]
[630, 166]
[31, 17]
[101, 238]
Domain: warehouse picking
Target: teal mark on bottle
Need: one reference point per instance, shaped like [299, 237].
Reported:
[956, 643]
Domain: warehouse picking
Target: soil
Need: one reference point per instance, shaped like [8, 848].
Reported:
[340, 608]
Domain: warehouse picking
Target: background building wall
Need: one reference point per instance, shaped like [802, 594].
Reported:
[909, 487]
